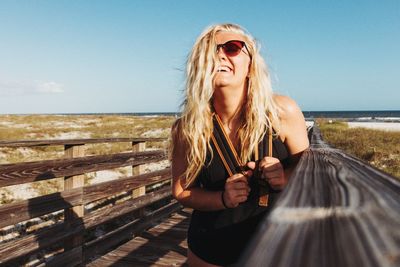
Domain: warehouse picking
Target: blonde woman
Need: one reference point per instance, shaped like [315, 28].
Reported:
[220, 143]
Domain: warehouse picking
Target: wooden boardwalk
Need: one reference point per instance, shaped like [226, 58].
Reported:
[162, 245]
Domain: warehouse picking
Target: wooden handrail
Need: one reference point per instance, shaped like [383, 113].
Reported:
[26, 172]
[38, 206]
[12, 252]
[104, 215]
[53, 142]
[101, 190]
[336, 211]
[26, 209]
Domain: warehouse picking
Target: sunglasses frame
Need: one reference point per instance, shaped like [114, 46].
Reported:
[223, 46]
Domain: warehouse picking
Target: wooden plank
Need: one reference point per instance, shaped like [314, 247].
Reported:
[101, 216]
[126, 232]
[67, 258]
[18, 173]
[167, 248]
[30, 143]
[26, 209]
[14, 251]
[335, 206]
[152, 256]
[109, 188]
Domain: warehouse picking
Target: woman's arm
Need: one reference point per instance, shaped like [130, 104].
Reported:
[236, 187]
[293, 133]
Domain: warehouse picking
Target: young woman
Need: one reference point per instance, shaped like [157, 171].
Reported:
[220, 143]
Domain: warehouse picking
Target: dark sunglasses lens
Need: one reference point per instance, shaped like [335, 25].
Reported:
[233, 48]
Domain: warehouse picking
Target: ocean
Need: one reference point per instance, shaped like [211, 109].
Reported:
[360, 115]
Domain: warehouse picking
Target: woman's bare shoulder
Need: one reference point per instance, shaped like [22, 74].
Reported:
[288, 108]
[178, 136]
[293, 130]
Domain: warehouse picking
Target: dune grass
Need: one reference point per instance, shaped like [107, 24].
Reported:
[34, 127]
[380, 148]
[17, 127]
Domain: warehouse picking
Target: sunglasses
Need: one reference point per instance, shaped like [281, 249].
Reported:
[232, 48]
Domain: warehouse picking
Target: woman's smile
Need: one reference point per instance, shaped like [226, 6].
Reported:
[224, 68]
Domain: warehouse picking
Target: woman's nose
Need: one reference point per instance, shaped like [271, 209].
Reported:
[221, 53]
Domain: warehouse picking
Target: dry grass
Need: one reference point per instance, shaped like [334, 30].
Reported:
[34, 127]
[380, 148]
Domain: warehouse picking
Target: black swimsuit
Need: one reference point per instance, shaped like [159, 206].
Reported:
[219, 237]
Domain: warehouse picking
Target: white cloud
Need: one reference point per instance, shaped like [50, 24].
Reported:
[50, 87]
[14, 88]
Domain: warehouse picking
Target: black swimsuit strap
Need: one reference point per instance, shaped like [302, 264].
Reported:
[220, 142]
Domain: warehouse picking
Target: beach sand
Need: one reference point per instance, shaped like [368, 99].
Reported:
[386, 126]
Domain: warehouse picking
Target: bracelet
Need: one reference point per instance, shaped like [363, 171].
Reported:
[223, 201]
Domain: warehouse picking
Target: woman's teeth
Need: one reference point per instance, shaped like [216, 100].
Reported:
[223, 69]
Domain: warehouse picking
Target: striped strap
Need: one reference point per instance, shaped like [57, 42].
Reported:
[263, 191]
[228, 169]
[228, 164]
[224, 149]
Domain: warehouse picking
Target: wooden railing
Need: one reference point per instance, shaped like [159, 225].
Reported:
[336, 211]
[122, 207]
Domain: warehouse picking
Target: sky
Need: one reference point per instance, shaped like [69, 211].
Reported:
[129, 56]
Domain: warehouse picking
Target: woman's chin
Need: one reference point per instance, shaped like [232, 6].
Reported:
[222, 81]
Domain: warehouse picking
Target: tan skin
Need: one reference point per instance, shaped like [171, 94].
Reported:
[229, 95]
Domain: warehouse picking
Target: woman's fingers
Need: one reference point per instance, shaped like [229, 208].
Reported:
[272, 171]
[240, 177]
[251, 165]
[240, 199]
[274, 181]
[270, 164]
[237, 189]
[277, 173]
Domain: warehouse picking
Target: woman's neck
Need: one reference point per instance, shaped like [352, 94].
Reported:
[228, 106]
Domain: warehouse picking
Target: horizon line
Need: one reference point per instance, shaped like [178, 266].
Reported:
[177, 112]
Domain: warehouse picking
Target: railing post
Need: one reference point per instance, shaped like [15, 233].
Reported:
[76, 212]
[136, 170]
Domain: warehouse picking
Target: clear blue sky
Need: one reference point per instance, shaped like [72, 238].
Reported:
[129, 56]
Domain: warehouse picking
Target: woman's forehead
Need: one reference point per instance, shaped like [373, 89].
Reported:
[224, 36]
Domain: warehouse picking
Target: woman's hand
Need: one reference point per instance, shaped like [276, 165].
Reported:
[236, 189]
[272, 171]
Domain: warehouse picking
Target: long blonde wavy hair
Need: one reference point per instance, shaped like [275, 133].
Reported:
[194, 128]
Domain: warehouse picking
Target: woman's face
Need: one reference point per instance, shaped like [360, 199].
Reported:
[232, 71]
